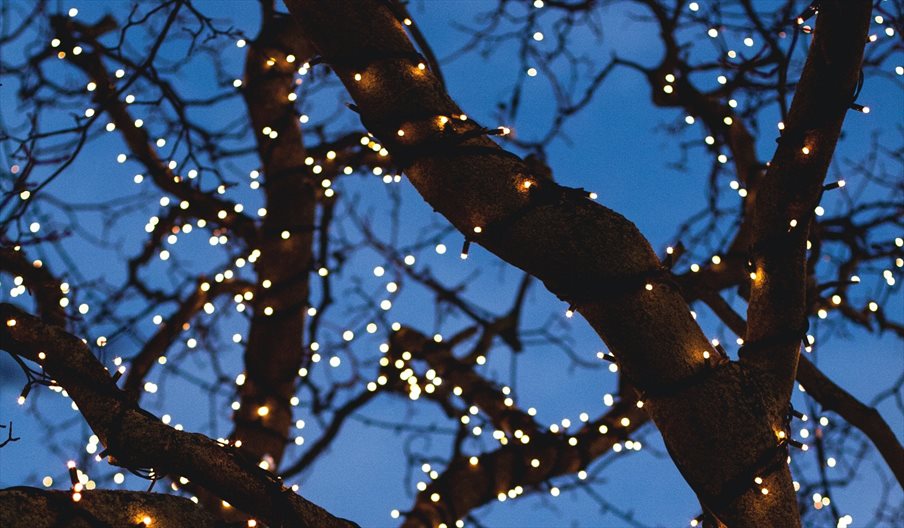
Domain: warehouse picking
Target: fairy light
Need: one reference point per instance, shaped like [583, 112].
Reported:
[21, 399]
[73, 472]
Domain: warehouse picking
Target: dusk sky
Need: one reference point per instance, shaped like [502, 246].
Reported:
[622, 147]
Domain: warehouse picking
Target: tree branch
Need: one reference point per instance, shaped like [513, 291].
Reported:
[140, 365]
[25, 507]
[274, 352]
[37, 278]
[792, 188]
[721, 427]
[136, 439]
[829, 395]
[464, 485]
[200, 204]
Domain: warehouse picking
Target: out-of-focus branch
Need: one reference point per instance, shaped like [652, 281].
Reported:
[529, 460]
[136, 439]
[707, 106]
[201, 204]
[529, 456]
[329, 434]
[450, 376]
[863, 417]
[37, 278]
[274, 352]
[157, 345]
[465, 485]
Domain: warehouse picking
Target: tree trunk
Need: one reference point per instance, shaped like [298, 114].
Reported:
[723, 423]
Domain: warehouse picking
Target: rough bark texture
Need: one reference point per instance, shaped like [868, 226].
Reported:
[134, 438]
[793, 186]
[24, 507]
[721, 424]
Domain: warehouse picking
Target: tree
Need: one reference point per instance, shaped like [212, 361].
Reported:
[726, 423]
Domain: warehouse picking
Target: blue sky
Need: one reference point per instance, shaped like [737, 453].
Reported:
[620, 146]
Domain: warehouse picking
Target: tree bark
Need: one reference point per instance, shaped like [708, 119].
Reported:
[723, 423]
[25, 507]
[274, 352]
[793, 187]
